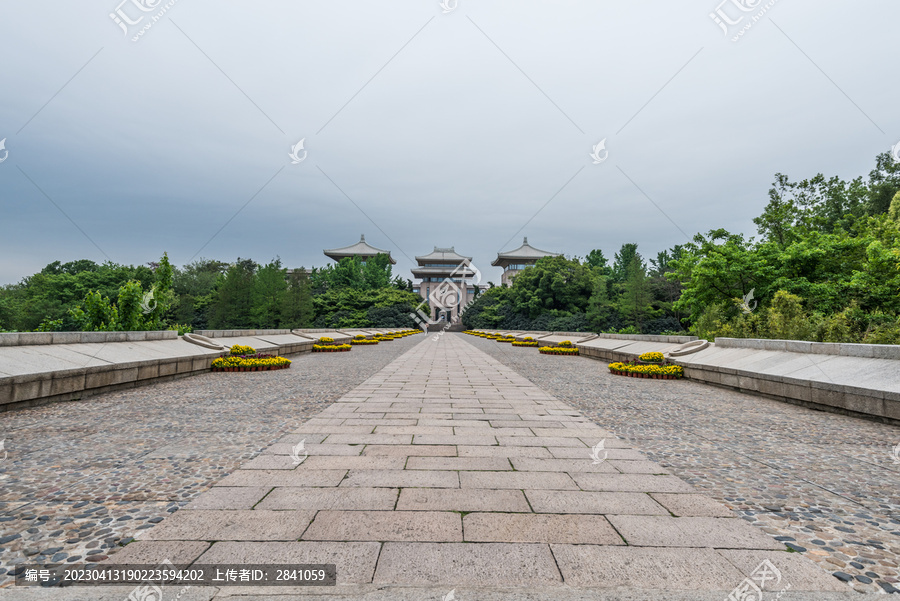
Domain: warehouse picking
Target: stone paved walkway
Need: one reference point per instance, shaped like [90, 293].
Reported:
[449, 470]
[79, 478]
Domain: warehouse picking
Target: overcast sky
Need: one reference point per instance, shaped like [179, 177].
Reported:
[471, 127]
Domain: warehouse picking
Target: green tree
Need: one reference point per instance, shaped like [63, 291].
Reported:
[552, 284]
[232, 306]
[634, 302]
[623, 261]
[267, 296]
[298, 310]
[600, 308]
[596, 260]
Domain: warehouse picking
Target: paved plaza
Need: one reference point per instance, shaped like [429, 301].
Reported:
[469, 466]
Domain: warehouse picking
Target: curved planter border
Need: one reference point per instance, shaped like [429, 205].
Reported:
[255, 368]
[644, 376]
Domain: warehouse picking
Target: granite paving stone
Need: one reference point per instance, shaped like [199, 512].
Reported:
[216, 525]
[416, 526]
[402, 478]
[539, 528]
[692, 505]
[471, 499]
[517, 480]
[667, 531]
[466, 564]
[411, 450]
[458, 463]
[641, 568]
[355, 562]
[330, 498]
[567, 501]
[230, 497]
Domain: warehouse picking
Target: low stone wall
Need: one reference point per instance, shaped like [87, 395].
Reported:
[590, 335]
[843, 349]
[238, 333]
[36, 370]
[41, 338]
[649, 338]
[856, 379]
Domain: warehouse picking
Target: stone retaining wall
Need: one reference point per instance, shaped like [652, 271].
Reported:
[872, 351]
[34, 338]
[846, 379]
[37, 370]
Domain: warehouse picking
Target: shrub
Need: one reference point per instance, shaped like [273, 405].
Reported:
[621, 368]
[238, 349]
[557, 350]
[331, 348]
[653, 357]
[786, 318]
[257, 361]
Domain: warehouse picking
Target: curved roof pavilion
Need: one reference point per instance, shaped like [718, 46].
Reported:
[361, 249]
[442, 262]
[524, 254]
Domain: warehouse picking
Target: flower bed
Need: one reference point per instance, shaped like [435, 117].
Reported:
[326, 340]
[363, 341]
[557, 350]
[652, 358]
[331, 348]
[238, 349]
[507, 339]
[526, 343]
[256, 362]
[652, 371]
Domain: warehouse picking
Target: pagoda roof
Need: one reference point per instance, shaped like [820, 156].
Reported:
[444, 255]
[360, 249]
[526, 251]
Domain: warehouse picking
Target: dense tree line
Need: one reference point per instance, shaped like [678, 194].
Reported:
[207, 294]
[826, 267]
